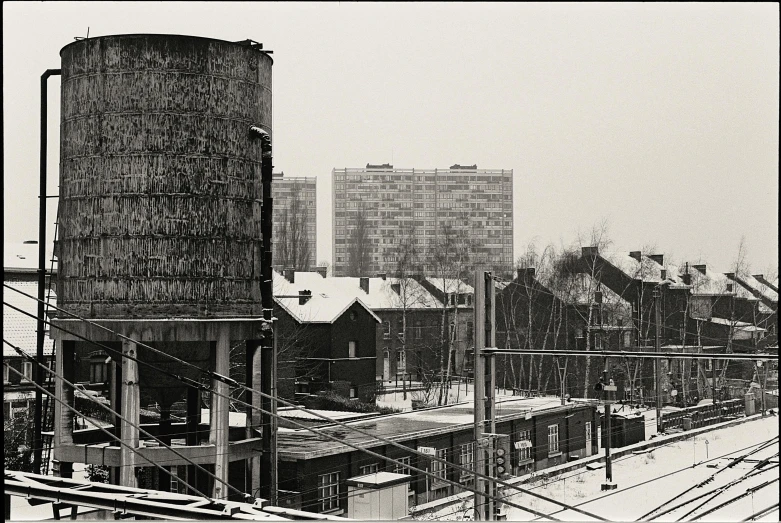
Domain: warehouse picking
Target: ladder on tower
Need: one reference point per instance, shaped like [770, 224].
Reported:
[47, 428]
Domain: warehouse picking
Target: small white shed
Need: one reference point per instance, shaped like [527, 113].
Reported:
[378, 496]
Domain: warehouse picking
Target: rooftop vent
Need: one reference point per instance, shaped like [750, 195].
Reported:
[382, 275]
[304, 296]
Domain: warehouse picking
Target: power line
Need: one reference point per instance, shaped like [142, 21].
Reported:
[120, 417]
[234, 383]
[119, 440]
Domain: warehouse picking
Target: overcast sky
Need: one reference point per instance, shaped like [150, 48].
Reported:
[661, 119]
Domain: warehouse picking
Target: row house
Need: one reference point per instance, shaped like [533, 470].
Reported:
[420, 319]
[325, 339]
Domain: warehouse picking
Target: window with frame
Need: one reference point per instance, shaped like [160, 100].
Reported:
[368, 469]
[553, 439]
[27, 370]
[403, 467]
[467, 461]
[524, 453]
[351, 349]
[401, 361]
[438, 468]
[387, 334]
[5, 374]
[328, 491]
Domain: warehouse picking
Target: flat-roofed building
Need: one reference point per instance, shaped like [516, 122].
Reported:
[378, 208]
[294, 237]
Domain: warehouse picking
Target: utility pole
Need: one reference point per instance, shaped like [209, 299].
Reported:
[485, 377]
[607, 387]
[657, 294]
[268, 349]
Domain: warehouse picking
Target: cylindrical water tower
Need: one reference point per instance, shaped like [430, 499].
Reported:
[159, 229]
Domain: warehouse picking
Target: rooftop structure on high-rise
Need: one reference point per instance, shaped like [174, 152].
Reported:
[294, 238]
[462, 213]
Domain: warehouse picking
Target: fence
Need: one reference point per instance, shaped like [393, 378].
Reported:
[702, 415]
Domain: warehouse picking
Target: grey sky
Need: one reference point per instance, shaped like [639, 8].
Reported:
[660, 118]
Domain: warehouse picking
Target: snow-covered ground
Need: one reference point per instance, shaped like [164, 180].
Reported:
[646, 481]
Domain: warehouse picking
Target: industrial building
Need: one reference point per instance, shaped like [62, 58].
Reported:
[389, 206]
[316, 472]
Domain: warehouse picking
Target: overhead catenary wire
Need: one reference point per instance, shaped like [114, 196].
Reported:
[709, 478]
[618, 491]
[113, 436]
[122, 418]
[234, 383]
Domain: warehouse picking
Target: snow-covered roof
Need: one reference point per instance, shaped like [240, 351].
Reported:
[581, 289]
[754, 285]
[714, 282]
[450, 285]
[18, 328]
[320, 308]
[24, 256]
[646, 269]
[381, 293]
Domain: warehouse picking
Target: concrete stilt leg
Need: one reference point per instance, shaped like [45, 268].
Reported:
[218, 433]
[63, 428]
[131, 413]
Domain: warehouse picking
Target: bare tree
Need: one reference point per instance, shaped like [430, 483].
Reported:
[358, 249]
[294, 248]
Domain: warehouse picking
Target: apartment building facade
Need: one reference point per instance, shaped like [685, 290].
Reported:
[378, 208]
[294, 236]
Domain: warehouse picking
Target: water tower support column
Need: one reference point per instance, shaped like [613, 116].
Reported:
[63, 429]
[254, 421]
[219, 412]
[131, 413]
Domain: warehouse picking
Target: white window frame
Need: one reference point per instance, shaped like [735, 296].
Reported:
[372, 468]
[403, 468]
[467, 458]
[439, 469]
[328, 491]
[27, 371]
[589, 434]
[553, 440]
[525, 453]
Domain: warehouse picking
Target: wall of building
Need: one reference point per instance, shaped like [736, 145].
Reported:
[302, 475]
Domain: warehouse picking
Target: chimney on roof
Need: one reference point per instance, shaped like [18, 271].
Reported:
[701, 268]
[290, 274]
[686, 277]
[590, 251]
[365, 284]
[382, 275]
[658, 258]
[730, 275]
[322, 271]
[637, 255]
[304, 296]
[526, 275]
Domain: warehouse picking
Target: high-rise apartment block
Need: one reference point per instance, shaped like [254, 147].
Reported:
[376, 207]
[294, 237]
